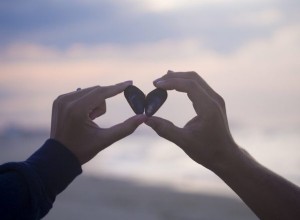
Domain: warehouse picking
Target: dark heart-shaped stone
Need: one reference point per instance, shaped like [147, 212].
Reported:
[154, 100]
[138, 102]
[136, 99]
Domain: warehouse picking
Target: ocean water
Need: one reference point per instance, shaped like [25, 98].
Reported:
[152, 160]
[148, 159]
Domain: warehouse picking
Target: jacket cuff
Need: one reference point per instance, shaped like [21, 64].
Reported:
[56, 165]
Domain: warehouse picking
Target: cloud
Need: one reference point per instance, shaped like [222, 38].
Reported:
[62, 24]
[258, 18]
[259, 81]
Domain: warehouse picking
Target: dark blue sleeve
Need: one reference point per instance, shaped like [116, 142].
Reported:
[28, 189]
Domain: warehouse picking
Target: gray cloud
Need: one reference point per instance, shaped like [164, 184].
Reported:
[63, 23]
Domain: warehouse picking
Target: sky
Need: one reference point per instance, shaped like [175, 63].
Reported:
[248, 51]
[221, 25]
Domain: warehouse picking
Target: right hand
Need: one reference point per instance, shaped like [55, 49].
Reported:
[206, 138]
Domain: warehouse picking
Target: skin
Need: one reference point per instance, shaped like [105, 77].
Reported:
[207, 140]
[72, 121]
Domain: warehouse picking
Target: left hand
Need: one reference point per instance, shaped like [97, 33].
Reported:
[72, 121]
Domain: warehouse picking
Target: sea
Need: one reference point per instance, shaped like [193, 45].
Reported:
[147, 159]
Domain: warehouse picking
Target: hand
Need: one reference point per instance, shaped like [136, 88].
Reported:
[205, 138]
[72, 121]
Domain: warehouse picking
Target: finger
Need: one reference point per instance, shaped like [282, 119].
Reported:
[194, 76]
[189, 75]
[75, 94]
[166, 129]
[200, 99]
[110, 91]
[122, 130]
[97, 112]
[97, 96]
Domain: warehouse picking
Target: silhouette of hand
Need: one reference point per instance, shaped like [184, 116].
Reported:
[72, 121]
[205, 138]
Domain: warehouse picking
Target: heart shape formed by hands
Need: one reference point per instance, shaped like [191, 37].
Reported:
[140, 103]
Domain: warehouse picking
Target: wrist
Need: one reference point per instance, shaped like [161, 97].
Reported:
[231, 159]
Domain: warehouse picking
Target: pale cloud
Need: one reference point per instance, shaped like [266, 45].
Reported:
[168, 5]
[260, 81]
[223, 26]
[258, 18]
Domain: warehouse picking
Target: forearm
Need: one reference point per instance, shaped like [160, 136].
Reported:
[14, 195]
[267, 194]
[31, 186]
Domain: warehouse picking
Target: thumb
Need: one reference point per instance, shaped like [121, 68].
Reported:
[123, 129]
[165, 129]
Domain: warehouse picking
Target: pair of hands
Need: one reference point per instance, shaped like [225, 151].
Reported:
[205, 138]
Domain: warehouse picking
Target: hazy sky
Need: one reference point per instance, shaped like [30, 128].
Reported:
[247, 50]
[223, 26]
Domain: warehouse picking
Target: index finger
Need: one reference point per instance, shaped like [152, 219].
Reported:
[188, 86]
[194, 76]
[110, 91]
[195, 92]
[98, 95]
[75, 94]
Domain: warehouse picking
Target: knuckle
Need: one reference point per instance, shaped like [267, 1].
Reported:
[74, 110]
[221, 101]
[192, 74]
[192, 84]
[70, 110]
[98, 89]
[58, 101]
[170, 73]
[59, 98]
[215, 113]
[55, 102]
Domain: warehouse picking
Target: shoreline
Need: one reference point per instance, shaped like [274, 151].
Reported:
[90, 197]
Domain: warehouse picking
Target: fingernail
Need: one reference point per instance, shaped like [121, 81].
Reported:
[141, 118]
[126, 83]
[155, 81]
[159, 82]
[129, 82]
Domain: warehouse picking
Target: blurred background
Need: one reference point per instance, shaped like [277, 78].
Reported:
[248, 51]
